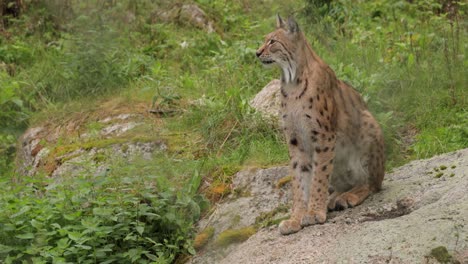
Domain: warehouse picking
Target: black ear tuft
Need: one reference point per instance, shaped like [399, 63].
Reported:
[293, 27]
[279, 22]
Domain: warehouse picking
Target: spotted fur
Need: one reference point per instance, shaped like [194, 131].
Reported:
[334, 141]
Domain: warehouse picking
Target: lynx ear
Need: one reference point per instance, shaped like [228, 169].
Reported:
[279, 22]
[293, 27]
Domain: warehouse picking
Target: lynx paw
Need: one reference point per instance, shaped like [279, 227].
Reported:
[290, 226]
[313, 218]
[343, 201]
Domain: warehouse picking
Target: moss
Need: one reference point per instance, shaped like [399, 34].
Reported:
[221, 189]
[124, 148]
[453, 166]
[231, 236]
[281, 182]
[241, 192]
[50, 165]
[443, 167]
[203, 237]
[99, 157]
[51, 162]
[439, 174]
[218, 191]
[224, 172]
[452, 174]
[268, 218]
[99, 144]
[185, 145]
[102, 143]
[441, 254]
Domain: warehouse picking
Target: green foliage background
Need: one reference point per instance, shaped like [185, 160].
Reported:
[407, 58]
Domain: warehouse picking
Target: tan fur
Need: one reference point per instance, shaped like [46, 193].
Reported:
[334, 141]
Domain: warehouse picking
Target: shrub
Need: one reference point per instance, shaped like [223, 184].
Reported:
[117, 217]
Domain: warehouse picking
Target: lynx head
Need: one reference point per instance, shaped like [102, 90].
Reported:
[280, 46]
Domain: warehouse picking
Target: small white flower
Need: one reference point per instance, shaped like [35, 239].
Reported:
[184, 44]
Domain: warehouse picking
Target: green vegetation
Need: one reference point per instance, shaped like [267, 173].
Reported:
[441, 254]
[63, 61]
[231, 236]
[129, 214]
[203, 237]
[271, 218]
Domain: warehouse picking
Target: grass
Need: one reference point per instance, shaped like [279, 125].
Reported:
[401, 66]
[410, 68]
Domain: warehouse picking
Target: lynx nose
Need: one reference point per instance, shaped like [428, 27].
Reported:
[258, 53]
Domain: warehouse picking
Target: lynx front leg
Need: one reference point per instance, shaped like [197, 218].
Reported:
[322, 169]
[302, 171]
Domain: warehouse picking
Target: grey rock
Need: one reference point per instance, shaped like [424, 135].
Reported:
[119, 128]
[414, 213]
[118, 117]
[188, 14]
[258, 194]
[267, 101]
[28, 148]
[80, 161]
[34, 147]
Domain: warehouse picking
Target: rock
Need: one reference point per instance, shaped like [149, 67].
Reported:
[267, 101]
[415, 213]
[187, 14]
[118, 128]
[29, 148]
[254, 192]
[39, 149]
[95, 160]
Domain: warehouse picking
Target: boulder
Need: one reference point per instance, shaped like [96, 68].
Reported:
[254, 192]
[187, 14]
[81, 145]
[420, 216]
[267, 101]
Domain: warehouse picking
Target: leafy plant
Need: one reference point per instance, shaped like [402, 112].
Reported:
[13, 109]
[122, 216]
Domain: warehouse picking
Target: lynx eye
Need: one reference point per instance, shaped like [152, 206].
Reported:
[271, 41]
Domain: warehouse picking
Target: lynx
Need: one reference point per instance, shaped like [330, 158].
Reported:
[335, 145]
